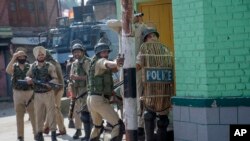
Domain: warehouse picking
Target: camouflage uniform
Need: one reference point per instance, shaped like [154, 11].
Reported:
[21, 95]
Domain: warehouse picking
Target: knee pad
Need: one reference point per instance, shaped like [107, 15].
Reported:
[96, 133]
[162, 121]
[85, 117]
[122, 126]
[148, 115]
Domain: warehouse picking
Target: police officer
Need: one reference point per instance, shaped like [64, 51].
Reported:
[22, 93]
[152, 36]
[139, 26]
[78, 75]
[58, 95]
[44, 95]
[100, 90]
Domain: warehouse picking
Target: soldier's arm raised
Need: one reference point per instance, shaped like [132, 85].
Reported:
[10, 66]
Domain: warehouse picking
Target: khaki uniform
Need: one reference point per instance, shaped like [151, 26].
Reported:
[138, 28]
[44, 97]
[58, 95]
[100, 108]
[78, 87]
[21, 96]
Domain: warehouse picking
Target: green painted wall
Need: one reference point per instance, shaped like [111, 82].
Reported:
[212, 47]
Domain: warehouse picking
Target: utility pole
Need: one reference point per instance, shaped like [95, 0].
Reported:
[129, 71]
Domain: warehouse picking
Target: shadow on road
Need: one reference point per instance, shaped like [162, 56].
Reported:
[6, 109]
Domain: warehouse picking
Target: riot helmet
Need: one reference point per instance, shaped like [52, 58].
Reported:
[147, 31]
[77, 45]
[99, 47]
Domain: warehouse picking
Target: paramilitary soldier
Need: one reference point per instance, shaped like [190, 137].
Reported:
[100, 90]
[58, 95]
[150, 37]
[78, 75]
[44, 72]
[139, 26]
[22, 93]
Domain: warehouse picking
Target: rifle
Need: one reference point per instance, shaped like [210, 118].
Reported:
[39, 82]
[71, 109]
[118, 84]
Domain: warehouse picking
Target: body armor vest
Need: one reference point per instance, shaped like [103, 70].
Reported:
[20, 74]
[79, 69]
[41, 75]
[102, 84]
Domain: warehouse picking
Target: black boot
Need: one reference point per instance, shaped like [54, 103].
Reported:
[53, 136]
[40, 136]
[162, 124]
[77, 134]
[149, 124]
[87, 130]
[86, 119]
[141, 134]
[20, 139]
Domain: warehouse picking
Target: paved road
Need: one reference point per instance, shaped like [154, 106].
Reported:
[8, 126]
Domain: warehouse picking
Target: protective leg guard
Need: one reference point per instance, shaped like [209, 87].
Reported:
[53, 136]
[40, 136]
[162, 124]
[120, 128]
[86, 119]
[96, 133]
[77, 134]
[149, 125]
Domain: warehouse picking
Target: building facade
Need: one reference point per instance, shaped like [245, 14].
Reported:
[20, 23]
[212, 55]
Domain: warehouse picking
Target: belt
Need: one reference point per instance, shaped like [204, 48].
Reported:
[23, 89]
[42, 91]
[100, 94]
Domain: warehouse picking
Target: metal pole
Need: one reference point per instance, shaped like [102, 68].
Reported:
[129, 71]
